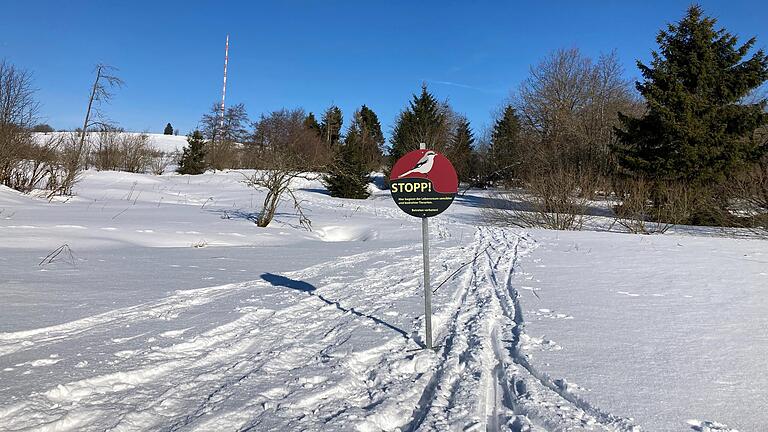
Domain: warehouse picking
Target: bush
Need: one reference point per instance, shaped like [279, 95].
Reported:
[120, 151]
[649, 207]
[556, 199]
[748, 193]
[160, 161]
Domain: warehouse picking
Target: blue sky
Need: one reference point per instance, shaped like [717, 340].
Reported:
[312, 54]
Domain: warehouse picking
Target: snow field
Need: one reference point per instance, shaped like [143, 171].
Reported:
[175, 312]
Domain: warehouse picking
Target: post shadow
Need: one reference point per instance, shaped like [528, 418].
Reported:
[278, 280]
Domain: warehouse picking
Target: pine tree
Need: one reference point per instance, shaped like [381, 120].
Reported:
[425, 120]
[372, 138]
[330, 126]
[168, 129]
[349, 175]
[310, 122]
[505, 145]
[696, 127]
[460, 151]
[193, 157]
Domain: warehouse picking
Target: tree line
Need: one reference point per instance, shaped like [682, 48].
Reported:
[685, 144]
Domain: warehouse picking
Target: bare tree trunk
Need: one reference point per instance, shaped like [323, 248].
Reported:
[88, 111]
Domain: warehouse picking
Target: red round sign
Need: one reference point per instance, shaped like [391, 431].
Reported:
[423, 183]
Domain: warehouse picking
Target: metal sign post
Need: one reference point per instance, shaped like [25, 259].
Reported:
[423, 184]
[427, 289]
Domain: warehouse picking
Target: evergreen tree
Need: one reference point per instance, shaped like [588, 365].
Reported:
[505, 144]
[310, 122]
[461, 151]
[168, 129]
[372, 138]
[349, 174]
[330, 126]
[42, 127]
[696, 126]
[425, 120]
[193, 157]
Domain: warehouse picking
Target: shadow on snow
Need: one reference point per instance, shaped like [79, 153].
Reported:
[277, 280]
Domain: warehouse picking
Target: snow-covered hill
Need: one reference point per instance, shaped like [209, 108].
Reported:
[164, 143]
[155, 303]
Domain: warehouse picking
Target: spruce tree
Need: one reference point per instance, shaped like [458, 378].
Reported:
[423, 121]
[349, 174]
[330, 126]
[696, 127]
[193, 157]
[168, 129]
[372, 138]
[460, 151]
[310, 122]
[505, 145]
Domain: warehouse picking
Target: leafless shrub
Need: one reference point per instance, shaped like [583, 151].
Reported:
[71, 159]
[636, 208]
[120, 151]
[106, 153]
[43, 163]
[555, 199]
[284, 149]
[748, 193]
[136, 152]
[653, 207]
[160, 161]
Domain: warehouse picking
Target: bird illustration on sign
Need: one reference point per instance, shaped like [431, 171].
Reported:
[423, 166]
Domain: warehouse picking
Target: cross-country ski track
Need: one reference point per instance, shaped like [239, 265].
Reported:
[295, 366]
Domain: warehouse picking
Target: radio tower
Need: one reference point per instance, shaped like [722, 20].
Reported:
[224, 87]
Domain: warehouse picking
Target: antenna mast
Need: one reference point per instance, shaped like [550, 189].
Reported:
[224, 87]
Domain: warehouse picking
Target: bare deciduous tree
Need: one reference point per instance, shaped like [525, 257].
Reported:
[571, 103]
[568, 107]
[224, 135]
[285, 150]
[101, 92]
[18, 112]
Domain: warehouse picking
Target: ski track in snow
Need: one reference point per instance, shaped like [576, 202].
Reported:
[294, 365]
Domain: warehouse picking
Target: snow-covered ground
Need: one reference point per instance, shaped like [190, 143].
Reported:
[168, 309]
